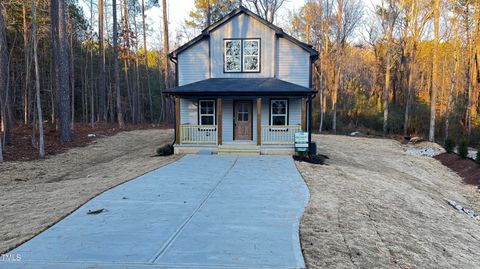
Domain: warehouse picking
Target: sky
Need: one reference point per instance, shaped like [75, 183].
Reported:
[178, 11]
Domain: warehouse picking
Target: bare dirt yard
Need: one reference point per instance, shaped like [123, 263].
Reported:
[36, 194]
[374, 206]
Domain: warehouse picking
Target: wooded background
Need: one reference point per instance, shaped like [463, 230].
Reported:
[403, 67]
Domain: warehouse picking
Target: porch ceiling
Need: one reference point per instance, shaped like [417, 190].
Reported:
[241, 86]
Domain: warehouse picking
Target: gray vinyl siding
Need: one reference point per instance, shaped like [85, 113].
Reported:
[193, 64]
[293, 63]
[227, 119]
[243, 26]
[294, 110]
[188, 111]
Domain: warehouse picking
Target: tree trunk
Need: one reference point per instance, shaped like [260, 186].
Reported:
[41, 144]
[166, 49]
[209, 16]
[3, 66]
[72, 77]
[386, 90]
[147, 73]
[116, 70]
[54, 69]
[26, 91]
[139, 91]
[102, 115]
[92, 80]
[64, 93]
[338, 65]
[435, 72]
[126, 57]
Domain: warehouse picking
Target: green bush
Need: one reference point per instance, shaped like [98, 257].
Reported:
[449, 145]
[463, 148]
[165, 150]
[477, 159]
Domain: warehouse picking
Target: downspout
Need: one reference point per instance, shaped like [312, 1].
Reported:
[173, 60]
[309, 120]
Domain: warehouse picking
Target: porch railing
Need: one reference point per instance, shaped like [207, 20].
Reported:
[275, 134]
[198, 134]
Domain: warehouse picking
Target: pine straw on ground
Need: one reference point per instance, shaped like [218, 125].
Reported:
[466, 168]
[21, 147]
[36, 194]
[374, 206]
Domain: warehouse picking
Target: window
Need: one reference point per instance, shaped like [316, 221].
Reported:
[251, 55]
[279, 112]
[233, 55]
[242, 113]
[206, 112]
[242, 55]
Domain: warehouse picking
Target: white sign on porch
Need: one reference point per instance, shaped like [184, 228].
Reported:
[301, 142]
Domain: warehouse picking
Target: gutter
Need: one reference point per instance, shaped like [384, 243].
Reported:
[174, 61]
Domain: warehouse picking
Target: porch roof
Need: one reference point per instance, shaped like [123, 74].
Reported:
[241, 86]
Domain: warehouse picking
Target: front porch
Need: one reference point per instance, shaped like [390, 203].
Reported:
[226, 136]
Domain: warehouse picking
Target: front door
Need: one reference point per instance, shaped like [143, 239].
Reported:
[242, 120]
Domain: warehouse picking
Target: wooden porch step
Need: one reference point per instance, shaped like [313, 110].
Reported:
[238, 150]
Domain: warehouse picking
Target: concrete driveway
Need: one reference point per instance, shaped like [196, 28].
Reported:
[199, 212]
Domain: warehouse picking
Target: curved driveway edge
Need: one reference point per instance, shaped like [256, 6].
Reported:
[199, 212]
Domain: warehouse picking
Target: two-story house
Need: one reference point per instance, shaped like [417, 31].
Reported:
[244, 86]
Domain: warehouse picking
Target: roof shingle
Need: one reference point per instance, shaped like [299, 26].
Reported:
[241, 86]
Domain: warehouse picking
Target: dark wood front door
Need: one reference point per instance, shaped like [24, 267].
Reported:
[242, 120]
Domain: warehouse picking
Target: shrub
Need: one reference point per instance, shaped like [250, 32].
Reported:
[449, 145]
[477, 158]
[463, 148]
[165, 150]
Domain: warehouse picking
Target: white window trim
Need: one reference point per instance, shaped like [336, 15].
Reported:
[285, 115]
[200, 111]
[243, 56]
[225, 56]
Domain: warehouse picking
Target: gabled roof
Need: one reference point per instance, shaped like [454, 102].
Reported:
[241, 86]
[242, 10]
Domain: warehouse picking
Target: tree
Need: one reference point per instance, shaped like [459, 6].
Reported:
[147, 73]
[64, 93]
[116, 69]
[208, 11]
[102, 115]
[266, 8]
[3, 65]
[41, 144]
[456, 57]
[389, 17]
[166, 48]
[54, 66]
[435, 72]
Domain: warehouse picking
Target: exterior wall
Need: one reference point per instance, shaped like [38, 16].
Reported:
[193, 64]
[227, 120]
[293, 63]
[188, 111]
[279, 57]
[243, 26]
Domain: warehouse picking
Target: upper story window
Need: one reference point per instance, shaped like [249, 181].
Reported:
[242, 55]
